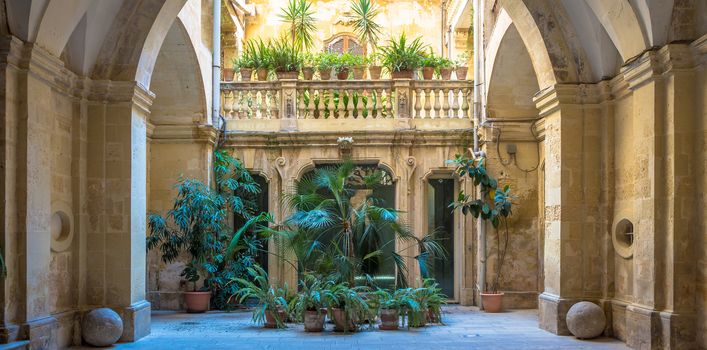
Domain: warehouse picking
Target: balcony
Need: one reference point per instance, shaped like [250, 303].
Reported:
[346, 105]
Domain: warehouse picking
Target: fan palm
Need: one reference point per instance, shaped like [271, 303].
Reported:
[364, 21]
[299, 16]
[330, 235]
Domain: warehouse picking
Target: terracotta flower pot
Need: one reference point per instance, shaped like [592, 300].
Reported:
[325, 74]
[313, 321]
[262, 74]
[461, 72]
[227, 74]
[403, 74]
[286, 75]
[342, 74]
[339, 318]
[493, 302]
[307, 73]
[428, 72]
[197, 302]
[389, 320]
[246, 74]
[374, 72]
[445, 73]
[358, 72]
[270, 321]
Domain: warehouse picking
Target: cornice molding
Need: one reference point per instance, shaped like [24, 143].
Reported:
[555, 97]
[112, 92]
[197, 133]
[651, 65]
[699, 50]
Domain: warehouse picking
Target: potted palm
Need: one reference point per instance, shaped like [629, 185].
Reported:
[260, 54]
[285, 60]
[394, 305]
[401, 57]
[313, 298]
[493, 205]
[435, 300]
[245, 63]
[298, 16]
[272, 306]
[348, 307]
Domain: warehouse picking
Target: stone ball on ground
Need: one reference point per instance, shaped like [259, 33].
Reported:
[101, 327]
[586, 320]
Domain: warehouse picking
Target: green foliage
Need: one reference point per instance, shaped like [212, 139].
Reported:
[494, 204]
[347, 61]
[299, 17]
[314, 295]
[364, 21]
[353, 302]
[401, 54]
[326, 60]
[284, 57]
[256, 54]
[257, 287]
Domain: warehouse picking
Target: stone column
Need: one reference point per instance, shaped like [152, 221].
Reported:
[662, 313]
[288, 105]
[117, 180]
[572, 243]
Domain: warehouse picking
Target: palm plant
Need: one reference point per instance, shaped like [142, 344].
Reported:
[401, 54]
[364, 21]
[284, 57]
[349, 306]
[331, 236]
[299, 16]
[258, 54]
[271, 303]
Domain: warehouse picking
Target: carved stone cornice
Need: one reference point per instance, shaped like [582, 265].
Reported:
[651, 65]
[551, 99]
[112, 92]
[182, 134]
[699, 50]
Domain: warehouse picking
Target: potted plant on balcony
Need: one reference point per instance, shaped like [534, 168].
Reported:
[429, 63]
[244, 64]
[358, 66]
[325, 62]
[460, 65]
[260, 54]
[314, 296]
[401, 56]
[272, 306]
[308, 63]
[374, 66]
[445, 68]
[285, 59]
[493, 205]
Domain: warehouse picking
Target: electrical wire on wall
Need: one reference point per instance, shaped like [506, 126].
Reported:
[513, 159]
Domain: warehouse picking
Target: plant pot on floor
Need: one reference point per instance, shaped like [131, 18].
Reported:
[308, 73]
[374, 72]
[461, 72]
[417, 318]
[262, 74]
[246, 74]
[445, 73]
[270, 321]
[389, 320]
[313, 321]
[428, 72]
[403, 74]
[339, 318]
[342, 74]
[197, 302]
[493, 302]
[228, 74]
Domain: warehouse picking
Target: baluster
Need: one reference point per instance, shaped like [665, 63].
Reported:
[350, 104]
[359, 104]
[445, 103]
[428, 103]
[465, 103]
[389, 103]
[256, 104]
[310, 105]
[332, 106]
[455, 103]
[417, 95]
[369, 104]
[320, 106]
[437, 105]
[301, 106]
[341, 106]
[248, 102]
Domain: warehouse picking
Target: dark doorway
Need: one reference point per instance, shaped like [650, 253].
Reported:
[262, 201]
[440, 220]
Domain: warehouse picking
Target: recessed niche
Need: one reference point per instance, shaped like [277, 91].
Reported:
[623, 238]
[61, 231]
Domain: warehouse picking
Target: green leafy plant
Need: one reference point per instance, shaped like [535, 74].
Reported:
[494, 205]
[326, 60]
[401, 54]
[364, 13]
[257, 53]
[284, 57]
[314, 295]
[270, 301]
[299, 16]
[352, 302]
[347, 61]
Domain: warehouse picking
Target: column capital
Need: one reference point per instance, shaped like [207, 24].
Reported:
[551, 99]
[108, 91]
[651, 65]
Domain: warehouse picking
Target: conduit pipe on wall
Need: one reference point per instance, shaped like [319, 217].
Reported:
[478, 107]
[216, 66]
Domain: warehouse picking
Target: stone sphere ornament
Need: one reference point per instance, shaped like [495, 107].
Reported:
[102, 327]
[586, 320]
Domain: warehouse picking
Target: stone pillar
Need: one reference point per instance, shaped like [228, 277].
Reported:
[288, 105]
[572, 243]
[117, 180]
[662, 313]
[403, 103]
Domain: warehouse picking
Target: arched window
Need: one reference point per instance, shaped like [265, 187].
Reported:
[344, 42]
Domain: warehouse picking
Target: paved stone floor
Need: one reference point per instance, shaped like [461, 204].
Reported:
[465, 328]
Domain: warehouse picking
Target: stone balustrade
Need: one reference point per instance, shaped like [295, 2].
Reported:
[326, 105]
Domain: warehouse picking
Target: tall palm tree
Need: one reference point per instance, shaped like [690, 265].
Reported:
[331, 235]
[364, 21]
[299, 16]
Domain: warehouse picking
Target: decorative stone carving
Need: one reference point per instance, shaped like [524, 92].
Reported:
[586, 320]
[102, 327]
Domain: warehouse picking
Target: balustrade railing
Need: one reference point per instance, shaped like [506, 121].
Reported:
[294, 102]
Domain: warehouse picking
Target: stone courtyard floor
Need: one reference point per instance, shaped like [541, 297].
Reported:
[465, 328]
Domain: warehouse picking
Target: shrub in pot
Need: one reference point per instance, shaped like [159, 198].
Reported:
[271, 310]
[285, 59]
[445, 67]
[308, 66]
[429, 64]
[460, 65]
[494, 205]
[435, 299]
[374, 67]
[260, 54]
[346, 63]
[393, 306]
[401, 56]
[314, 296]
[348, 307]
[325, 62]
[245, 64]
